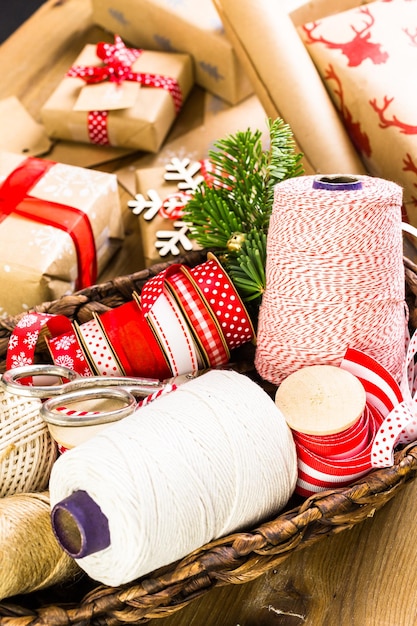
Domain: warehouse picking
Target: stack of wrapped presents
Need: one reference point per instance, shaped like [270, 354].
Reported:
[162, 86]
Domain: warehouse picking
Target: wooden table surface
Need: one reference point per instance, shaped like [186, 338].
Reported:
[360, 577]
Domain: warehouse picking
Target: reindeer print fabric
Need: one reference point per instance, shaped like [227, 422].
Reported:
[367, 58]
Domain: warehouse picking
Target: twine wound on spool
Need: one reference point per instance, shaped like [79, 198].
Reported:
[27, 450]
[334, 275]
[25, 526]
[208, 459]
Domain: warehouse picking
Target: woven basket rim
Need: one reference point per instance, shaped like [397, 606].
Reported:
[234, 559]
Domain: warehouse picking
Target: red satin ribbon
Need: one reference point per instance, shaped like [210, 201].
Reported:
[133, 342]
[15, 198]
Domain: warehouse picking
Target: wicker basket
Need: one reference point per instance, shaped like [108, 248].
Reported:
[234, 559]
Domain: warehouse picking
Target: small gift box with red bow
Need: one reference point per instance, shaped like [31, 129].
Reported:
[367, 58]
[118, 96]
[59, 226]
[159, 204]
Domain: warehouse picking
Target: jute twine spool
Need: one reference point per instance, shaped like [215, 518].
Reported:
[213, 456]
[31, 557]
[334, 276]
[27, 450]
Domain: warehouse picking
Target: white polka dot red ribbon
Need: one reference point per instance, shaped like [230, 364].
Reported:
[117, 67]
[97, 127]
[218, 291]
[389, 419]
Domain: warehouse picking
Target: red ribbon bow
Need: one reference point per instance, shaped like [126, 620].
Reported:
[117, 67]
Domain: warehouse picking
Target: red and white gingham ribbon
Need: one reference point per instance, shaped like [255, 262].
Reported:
[117, 67]
[204, 324]
[219, 293]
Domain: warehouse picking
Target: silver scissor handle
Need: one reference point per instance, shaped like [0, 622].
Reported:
[10, 381]
[50, 413]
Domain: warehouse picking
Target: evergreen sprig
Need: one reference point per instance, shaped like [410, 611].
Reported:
[231, 216]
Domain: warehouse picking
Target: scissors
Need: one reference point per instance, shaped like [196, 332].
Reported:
[123, 389]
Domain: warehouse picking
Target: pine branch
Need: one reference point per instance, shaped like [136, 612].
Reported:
[232, 214]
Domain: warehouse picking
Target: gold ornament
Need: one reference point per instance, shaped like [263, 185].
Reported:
[235, 242]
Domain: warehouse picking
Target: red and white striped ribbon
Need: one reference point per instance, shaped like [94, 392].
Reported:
[389, 419]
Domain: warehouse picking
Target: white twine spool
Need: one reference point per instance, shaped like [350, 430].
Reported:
[27, 450]
[208, 459]
[334, 277]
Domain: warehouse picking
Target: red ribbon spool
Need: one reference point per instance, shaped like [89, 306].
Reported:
[133, 342]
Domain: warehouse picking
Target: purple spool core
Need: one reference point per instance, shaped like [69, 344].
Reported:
[337, 182]
[80, 526]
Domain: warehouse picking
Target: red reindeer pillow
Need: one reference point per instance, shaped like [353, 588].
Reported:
[367, 57]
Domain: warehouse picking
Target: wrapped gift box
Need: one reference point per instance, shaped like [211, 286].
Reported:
[162, 191]
[119, 112]
[367, 58]
[182, 27]
[38, 261]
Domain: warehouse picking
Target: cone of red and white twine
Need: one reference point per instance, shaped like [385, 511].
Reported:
[334, 275]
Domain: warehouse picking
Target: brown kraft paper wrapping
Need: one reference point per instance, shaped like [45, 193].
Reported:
[153, 179]
[288, 84]
[367, 58]
[190, 27]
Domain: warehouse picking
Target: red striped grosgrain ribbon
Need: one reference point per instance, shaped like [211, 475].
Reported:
[337, 458]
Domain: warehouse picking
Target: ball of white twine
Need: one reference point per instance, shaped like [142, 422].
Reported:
[334, 277]
[214, 456]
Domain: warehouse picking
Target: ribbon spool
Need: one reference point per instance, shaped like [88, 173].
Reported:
[25, 525]
[320, 403]
[334, 275]
[211, 457]
[325, 407]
